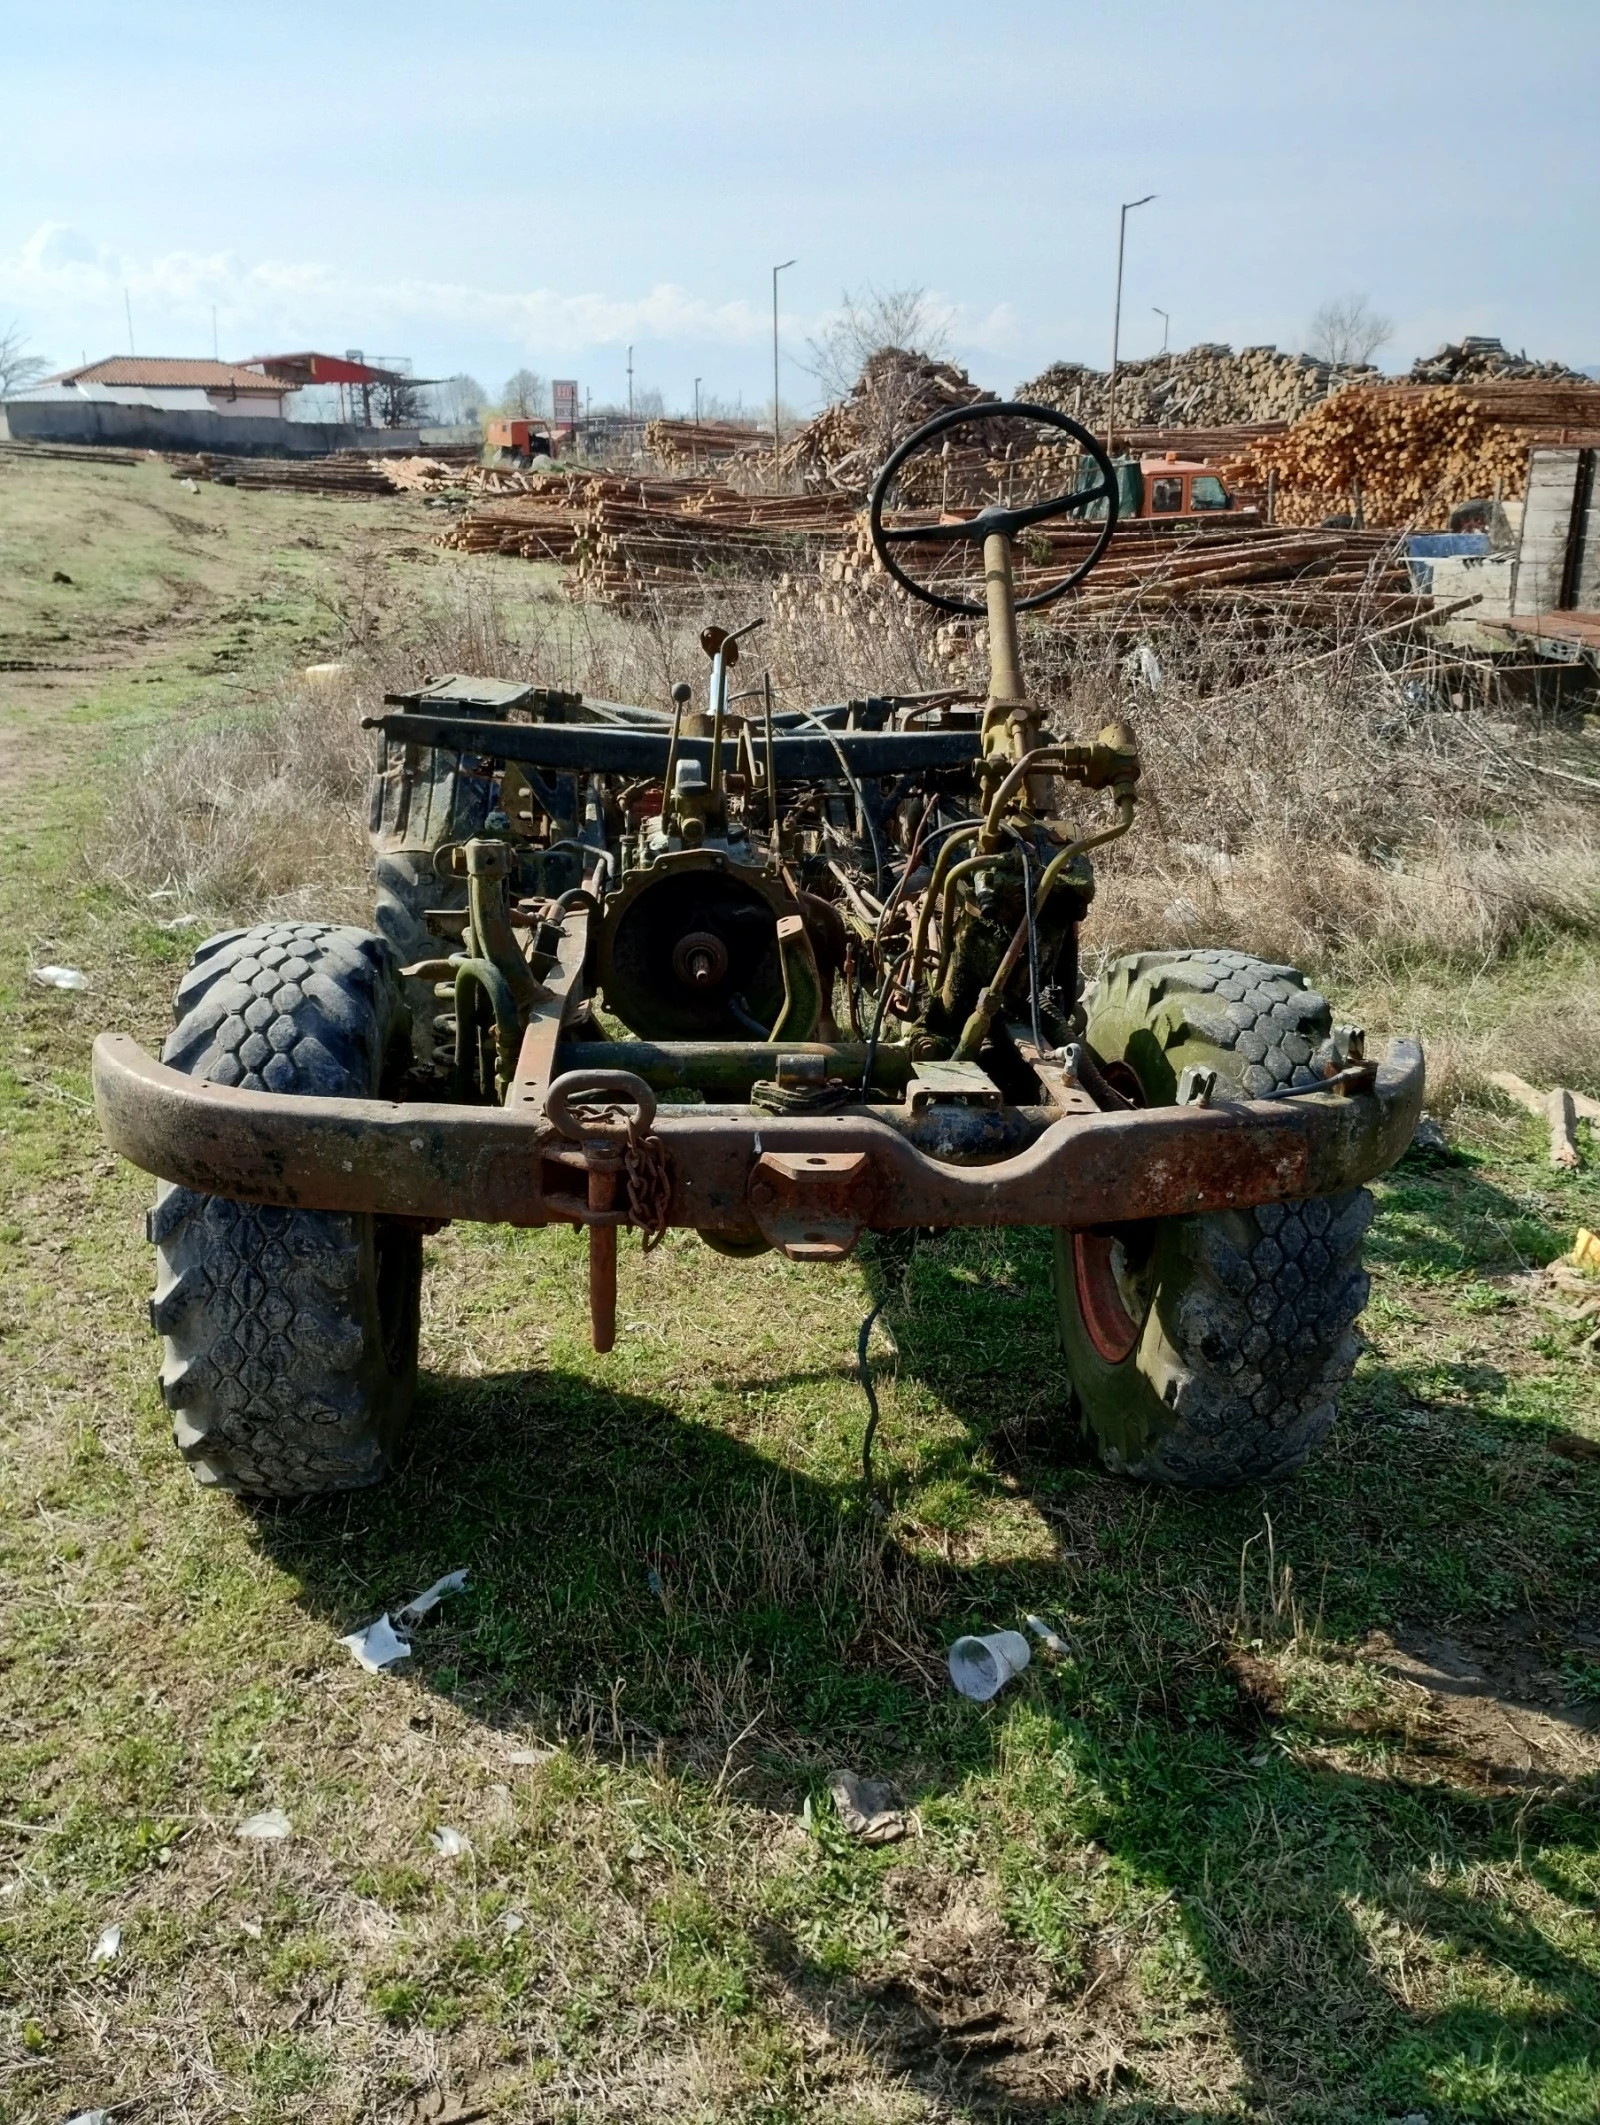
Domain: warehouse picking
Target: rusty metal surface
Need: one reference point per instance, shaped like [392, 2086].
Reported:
[496, 1165]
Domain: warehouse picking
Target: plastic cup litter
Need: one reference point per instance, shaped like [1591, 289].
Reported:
[980, 1668]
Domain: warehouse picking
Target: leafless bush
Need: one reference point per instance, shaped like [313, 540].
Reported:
[1344, 810]
[867, 322]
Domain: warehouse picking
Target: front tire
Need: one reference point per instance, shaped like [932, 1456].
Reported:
[289, 1336]
[1207, 1352]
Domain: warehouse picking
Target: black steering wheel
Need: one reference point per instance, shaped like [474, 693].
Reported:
[1006, 521]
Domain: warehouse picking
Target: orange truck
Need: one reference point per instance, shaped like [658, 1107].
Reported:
[1162, 486]
[518, 442]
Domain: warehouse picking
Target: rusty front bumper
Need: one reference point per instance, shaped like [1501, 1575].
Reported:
[808, 1184]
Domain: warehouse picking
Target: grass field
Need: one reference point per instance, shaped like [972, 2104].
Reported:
[1305, 1825]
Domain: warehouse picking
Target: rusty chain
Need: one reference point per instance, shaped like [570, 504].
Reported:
[643, 1157]
[649, 1184]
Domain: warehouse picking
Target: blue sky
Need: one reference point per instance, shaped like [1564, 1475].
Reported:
[484, 185]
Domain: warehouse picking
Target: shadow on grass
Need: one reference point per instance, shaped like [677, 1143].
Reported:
[650, 1584]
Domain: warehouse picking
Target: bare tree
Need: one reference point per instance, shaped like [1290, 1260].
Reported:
[18, 368]
[524, 396]
[461, 400]
[402, 403]
[867, 323]
[1347, 331]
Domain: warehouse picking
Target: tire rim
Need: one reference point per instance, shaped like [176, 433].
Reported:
[1112, 1270]
[1113, 1306]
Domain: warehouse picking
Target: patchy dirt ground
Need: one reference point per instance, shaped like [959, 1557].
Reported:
[1500, 1697]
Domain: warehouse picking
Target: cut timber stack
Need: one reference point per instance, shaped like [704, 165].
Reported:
[541, 522]
[1479, 360]
[1410, 454]
[1206, 402]
[840, 451]
[695, 446]
[426, 475]
[626, 540]
[1208, 386]
[1309, 576]
[293, 475]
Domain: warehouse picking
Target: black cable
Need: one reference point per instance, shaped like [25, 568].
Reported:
[864, 1374]
[884, 994]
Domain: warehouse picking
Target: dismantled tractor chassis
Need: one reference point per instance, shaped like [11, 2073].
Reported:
[782, 977]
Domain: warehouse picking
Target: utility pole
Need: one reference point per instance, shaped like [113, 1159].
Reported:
[630, 383]
[1166, 323]
[128, 308]
[697, 401]
[788, 262]
[1116, 321]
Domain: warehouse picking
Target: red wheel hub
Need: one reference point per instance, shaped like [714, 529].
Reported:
[1111, 1328]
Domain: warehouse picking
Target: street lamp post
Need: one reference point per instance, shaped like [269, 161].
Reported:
[697, 401]
[788, 262]
[1116, 320]
[1166, 323]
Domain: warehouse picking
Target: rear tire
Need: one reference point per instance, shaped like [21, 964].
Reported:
[419, 800]
[289, 1336]
[1206, 1352]
[404, 888]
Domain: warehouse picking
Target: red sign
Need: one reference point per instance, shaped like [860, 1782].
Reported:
[564, 401]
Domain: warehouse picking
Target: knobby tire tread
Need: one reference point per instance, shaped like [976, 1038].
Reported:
[289, 1335]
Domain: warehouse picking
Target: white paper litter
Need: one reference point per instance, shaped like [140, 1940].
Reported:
[530, 1759]
[269, 1824]
[512, 1922]
[379, 1646]
[108, 1946]
[1047, 1637]
[448, 1843]
[183, 922]
[91, 2117]
[61, 977]
[430, 1597]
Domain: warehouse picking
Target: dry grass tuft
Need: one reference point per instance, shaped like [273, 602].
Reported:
[264, 815]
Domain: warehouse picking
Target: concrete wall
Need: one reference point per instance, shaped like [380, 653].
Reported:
[230, 435]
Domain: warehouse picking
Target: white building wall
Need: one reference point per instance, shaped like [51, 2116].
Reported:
[259, 405]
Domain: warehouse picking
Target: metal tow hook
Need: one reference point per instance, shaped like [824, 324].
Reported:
[604, 1161]
[613, 1141]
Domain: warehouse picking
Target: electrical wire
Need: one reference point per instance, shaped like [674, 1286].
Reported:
[864, 1375]
[890, 981]
[859, 794]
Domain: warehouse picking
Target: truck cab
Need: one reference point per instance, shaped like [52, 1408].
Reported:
[517, 442]
[1161, 486]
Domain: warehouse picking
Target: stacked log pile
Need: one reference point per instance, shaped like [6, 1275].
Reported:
[1409, 454]
[1208, 386]
[696, 446]
[532, 521]
[427, 475]
[1479, 360]
[1207, 402]
[626, 539]
[1263, 574]
[290, 475]
[840, 451]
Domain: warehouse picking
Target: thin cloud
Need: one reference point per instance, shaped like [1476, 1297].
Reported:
[64, 273]
[59, 267]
